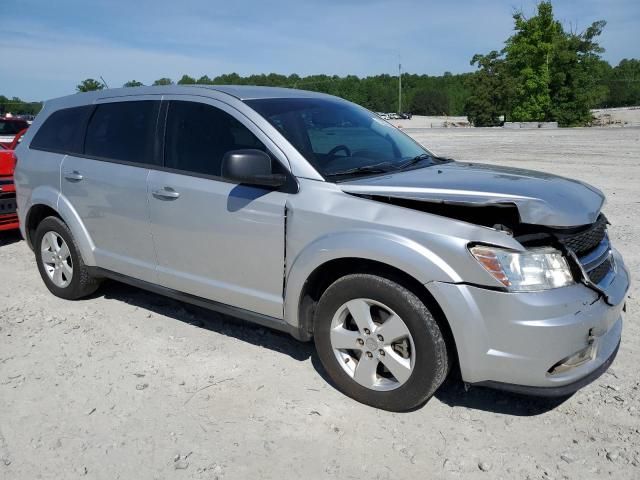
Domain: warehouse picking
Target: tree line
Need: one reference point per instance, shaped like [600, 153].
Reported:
[487, 96]
[18, 106]
[421, 94]
[544, 73]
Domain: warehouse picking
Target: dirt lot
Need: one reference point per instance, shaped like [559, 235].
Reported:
[611, 117]
[617, 117]
[131, 385]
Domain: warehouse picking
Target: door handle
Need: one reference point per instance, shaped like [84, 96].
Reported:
[166, 193]
[73, 176]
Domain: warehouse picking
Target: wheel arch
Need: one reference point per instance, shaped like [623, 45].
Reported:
[328, 272]
[61, 208]
[35, 215]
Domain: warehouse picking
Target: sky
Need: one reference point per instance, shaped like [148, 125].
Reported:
[49, 46]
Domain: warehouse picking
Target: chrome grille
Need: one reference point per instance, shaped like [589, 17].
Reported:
[600, 272]
[592, 249]
[596, 260]
[588, 239]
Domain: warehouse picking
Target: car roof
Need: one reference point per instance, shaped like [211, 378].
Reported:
[252, 92]
[240, 92]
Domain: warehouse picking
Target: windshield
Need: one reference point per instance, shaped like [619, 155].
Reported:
[340, 139]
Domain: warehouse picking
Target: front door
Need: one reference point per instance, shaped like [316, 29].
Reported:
[215, 239]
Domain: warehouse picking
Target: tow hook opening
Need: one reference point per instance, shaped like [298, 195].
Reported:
[577, 359]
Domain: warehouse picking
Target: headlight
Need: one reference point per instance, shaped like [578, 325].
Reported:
[535, 269]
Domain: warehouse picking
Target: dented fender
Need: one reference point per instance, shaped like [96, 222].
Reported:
[427, 247]
[404, 254]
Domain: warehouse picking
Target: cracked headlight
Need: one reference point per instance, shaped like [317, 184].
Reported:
[532, 270]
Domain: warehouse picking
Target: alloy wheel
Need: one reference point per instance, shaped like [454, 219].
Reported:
[372, 344]
[56, 259]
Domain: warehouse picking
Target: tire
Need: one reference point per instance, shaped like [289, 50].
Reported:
[396, 375]
[76, 281]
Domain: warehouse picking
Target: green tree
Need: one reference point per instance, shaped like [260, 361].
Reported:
[575, 69]
[529, 55]
[17, 106]
[204, 80]
[133, 83]
[163, 81]
[429, 102]
[89, 85]
[492, 90]
[186, 80]
[542, 74]
[623, 84]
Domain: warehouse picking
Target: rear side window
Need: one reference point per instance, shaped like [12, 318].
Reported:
[123, 131]
[198, 136]
[62, 131]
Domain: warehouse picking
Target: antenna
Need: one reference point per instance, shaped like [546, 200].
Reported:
[399, 85]
[105, 83]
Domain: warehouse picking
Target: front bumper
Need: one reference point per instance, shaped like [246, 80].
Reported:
[513, 340]
[558, 391]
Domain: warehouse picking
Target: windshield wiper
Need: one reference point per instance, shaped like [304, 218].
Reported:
[415, 160]
[378, 168]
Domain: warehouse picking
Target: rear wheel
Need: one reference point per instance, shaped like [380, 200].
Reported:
[379, 343]
[59, 261]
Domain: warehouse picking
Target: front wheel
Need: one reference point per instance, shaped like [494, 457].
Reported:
[379, 343]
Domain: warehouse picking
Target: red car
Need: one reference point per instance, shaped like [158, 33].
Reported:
[9, 128]
[8, 216]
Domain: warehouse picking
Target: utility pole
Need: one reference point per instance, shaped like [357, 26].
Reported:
[399, 88]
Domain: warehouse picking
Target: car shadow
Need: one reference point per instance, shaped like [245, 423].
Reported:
[242, 195]
[453, 393]
[207, 319]
[10, 236]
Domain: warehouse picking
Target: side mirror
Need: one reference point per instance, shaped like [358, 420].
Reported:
[251, 167]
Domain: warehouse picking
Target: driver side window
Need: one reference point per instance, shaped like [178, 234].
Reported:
[199, 135]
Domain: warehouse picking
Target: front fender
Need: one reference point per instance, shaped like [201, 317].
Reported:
[394, 250]
[48, 196]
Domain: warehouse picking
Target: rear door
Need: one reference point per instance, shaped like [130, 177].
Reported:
[107, 184]
[215, 239]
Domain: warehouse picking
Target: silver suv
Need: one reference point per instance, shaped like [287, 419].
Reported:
[309, 214]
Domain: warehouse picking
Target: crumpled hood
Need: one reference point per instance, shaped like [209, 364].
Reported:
[541, 198]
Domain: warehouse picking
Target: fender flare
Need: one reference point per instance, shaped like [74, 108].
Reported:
[48, 196]
[399, 252]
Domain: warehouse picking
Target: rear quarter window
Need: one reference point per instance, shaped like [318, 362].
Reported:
[123, 131]
[62, 131]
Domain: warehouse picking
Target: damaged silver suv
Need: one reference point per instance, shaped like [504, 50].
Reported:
[309, 214]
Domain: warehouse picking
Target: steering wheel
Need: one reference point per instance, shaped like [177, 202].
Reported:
[336, 149]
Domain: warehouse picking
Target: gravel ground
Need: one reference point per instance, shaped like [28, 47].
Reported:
[132, 385]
